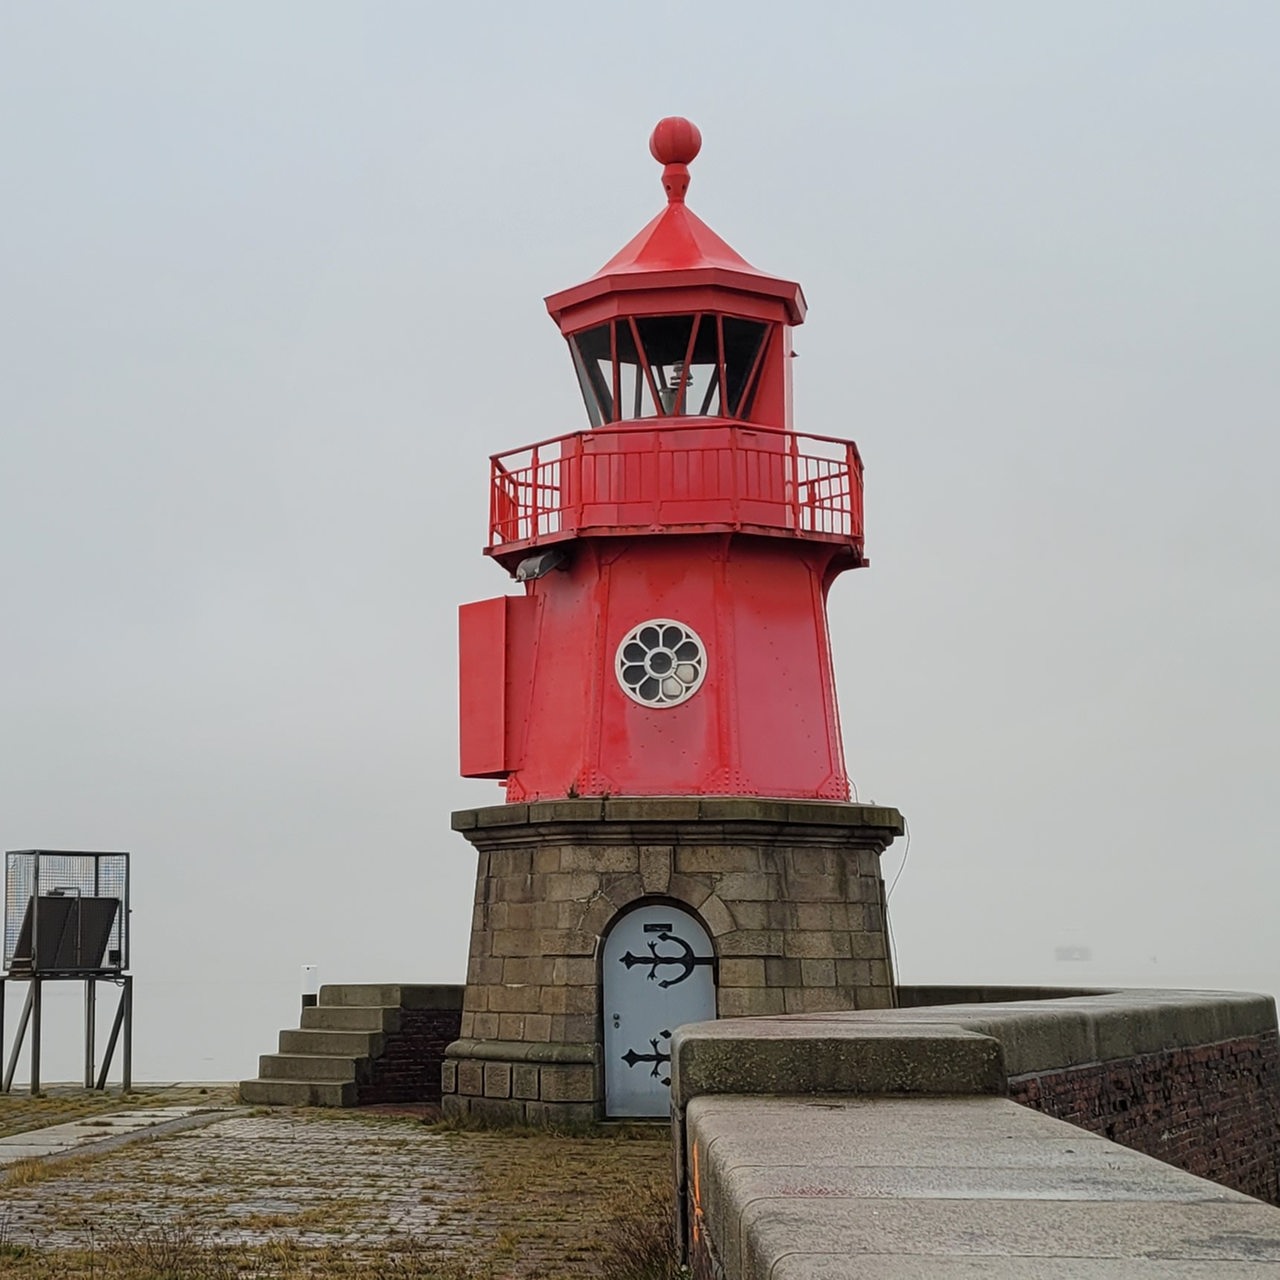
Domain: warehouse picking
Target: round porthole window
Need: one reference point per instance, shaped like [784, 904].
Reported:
[661, 663]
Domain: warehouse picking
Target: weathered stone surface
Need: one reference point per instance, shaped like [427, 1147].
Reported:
[657, 863]
[524, 1080]
[582, 810]
[716, 859]
[570, 1027]
[597, 858]
[757, 915]
[568, 1083]
[511, 998]
[817, 944]
[742, 972]
[560, 1115]
[751, 1002]
[818, 973]
[752, 942]
[692, 890]
[497, 1080]
[717, 917]
[812, 1055]
[520, 1051]
[574, 971]
[470, 1077]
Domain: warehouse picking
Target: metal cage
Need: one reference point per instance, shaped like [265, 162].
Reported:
[66, 914]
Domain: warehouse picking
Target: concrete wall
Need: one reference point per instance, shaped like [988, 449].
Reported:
[1190, 1077]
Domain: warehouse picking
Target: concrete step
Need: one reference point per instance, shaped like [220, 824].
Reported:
[298, 1093]
[412, 995]
[339, 1044]
[350, 1018]
[361, 993]
[311, 1066]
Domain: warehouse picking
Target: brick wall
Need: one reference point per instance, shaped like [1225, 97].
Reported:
[408, 1070]
[1213, 1110]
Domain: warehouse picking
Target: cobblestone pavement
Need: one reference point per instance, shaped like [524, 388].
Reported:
[521, 1205]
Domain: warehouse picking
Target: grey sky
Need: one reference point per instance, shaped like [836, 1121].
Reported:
[270, 293]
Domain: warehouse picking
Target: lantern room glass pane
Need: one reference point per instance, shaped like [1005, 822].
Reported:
[665, 340]
[701, 396]
[635, 399]
[742, 342]
[594, 366]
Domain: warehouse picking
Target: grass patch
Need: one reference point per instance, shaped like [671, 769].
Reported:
[170, 1252]
[31, 1170]
[638, 1235]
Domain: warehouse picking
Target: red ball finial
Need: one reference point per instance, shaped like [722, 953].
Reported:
[675, 140]
[674, 143]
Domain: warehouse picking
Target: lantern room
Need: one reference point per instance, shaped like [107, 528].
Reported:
[705, 365]
[677, 323]
[675, 553]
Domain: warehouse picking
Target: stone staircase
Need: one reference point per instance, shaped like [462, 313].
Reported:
[361, 1043]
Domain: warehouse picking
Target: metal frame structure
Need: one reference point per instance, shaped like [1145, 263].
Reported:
[66, 918]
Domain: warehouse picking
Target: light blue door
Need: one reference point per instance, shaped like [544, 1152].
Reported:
[659, 972]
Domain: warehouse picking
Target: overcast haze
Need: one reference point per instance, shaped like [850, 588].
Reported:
[270, 294]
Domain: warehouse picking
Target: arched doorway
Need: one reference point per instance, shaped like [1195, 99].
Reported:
[659, 972]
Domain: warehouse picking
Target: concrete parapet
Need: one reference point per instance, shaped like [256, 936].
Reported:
[1052, 1030]
[813, 1055]
[1192, 1078]
[947, 1188]
[1024, 1037]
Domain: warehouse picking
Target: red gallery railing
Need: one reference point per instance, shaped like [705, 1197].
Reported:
[693, 477]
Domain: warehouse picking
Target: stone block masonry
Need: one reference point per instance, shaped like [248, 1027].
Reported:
[789, 892]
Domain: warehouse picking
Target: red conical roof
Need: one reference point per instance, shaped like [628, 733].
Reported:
[676, 240]
[677, 249]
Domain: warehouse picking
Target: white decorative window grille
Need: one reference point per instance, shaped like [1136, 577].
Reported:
[661, 663]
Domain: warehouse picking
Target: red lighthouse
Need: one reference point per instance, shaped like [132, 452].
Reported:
[676, 554]
[677, 841]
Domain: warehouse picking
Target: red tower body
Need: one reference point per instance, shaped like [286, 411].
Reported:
[676, 555]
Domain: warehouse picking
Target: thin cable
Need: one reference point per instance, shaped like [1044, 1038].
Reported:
[893, 953]
[888, 922]
[906, 826]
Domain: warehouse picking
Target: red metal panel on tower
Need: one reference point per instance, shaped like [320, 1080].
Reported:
[497, 647]
[482, 699]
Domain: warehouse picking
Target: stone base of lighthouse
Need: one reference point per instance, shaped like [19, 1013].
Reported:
[752, 906]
